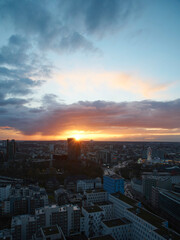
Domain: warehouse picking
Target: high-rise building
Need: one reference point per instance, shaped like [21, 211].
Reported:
[74, 149]
[10, 149]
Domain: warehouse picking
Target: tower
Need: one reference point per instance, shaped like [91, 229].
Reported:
[74, 149]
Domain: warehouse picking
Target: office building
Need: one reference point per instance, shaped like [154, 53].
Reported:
[113, 183]
[74, 149]
[169, 204]
[150, 181]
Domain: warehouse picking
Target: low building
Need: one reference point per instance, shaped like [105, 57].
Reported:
[5, 190]
[51, 233]
[93, 217]
[136, 185]
[88, 184]
[118, 228]
[66, 216]
[169, 204]
[164, 182]
[94, 196]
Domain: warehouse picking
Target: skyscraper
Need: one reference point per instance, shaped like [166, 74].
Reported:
[74, 149]
[11, 150]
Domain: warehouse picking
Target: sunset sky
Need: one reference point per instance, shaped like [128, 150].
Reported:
[97, 69]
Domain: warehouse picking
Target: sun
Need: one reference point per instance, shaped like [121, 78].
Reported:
[77, 137]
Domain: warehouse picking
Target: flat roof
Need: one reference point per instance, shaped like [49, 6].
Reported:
[171, 194]
[105, 237]
[114, 176]
[50, 230]
[125, 199]
[104, 203]
[95, 190]
[116, 222]
[147, 216]
[92, 209]
[167, 233]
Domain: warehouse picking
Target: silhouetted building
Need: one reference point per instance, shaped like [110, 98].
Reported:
[74, 149]
[9, 149]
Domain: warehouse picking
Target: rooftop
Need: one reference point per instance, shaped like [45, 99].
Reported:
[104, 203]
[167, 233]
[124, 198]
[105, 237]
[114, 176]
[50, 230]
[171, 194]
[92, 209]
[116, 222]
[95, 191]
[148, 216]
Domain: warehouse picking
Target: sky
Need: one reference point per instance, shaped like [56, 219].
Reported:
[96, 69]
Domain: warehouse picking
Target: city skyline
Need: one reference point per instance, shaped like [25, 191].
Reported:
[101, 70]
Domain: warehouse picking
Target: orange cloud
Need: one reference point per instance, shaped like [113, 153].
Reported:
[82, 81]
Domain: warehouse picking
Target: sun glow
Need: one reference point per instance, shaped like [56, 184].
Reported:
[77, 137]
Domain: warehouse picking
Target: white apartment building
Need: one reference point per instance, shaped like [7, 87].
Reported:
[94, 196]
[145, 225]
[118, 228]
[66, 216]
[88, 184]
[5, 191]
[23, 227]
[5, 206]
[93, 217]
[107, 207]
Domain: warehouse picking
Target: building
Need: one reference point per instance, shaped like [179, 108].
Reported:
[10, 149]
[103, 156]
[88, 184]
[136, 185]
[169, 204]
[5, 190]
[50, 233]
[22, 200]
[107, 207]
[118, 228]
[113, 183]
[118, 218]
[67, 217]
[93, 217]
[23, 227]
[144, 224]
[5, 234]
[61, 196]
[74, 149]
[95, 196]
[155, 181]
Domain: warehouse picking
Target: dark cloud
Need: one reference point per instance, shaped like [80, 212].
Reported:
[20, 71]
[19, 87]
[54, 118]
[15, 52]
[64, 25]
[12, 101]
[99, 17]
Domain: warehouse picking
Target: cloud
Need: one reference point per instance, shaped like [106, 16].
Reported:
[65, 25]
[99, 17]
[89, 81]
[21, 72]
[106, 117]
